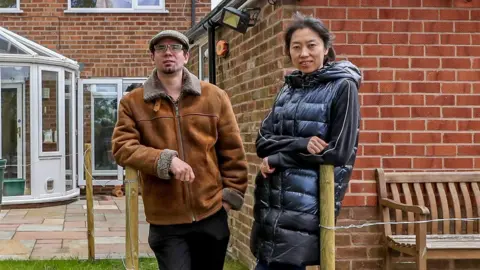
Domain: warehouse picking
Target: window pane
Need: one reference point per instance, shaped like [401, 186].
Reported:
[8, 3]
[7, 47]
[101, 3]
[104, 118]
[106, 88]
[35, 49]
[204, 62]
[148, 2]
[49, 111]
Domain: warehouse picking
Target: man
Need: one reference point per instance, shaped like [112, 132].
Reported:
[182, 135]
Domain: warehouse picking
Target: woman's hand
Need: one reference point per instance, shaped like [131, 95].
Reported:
[316, 145]
[265, 168]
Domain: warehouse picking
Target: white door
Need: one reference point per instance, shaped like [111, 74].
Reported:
[49, 170]
[11, 129]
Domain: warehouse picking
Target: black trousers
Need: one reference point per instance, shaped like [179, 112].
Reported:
[199, 245]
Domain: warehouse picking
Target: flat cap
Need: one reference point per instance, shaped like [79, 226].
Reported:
[169, 34]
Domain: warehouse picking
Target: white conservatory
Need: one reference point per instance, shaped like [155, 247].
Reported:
[37, 114]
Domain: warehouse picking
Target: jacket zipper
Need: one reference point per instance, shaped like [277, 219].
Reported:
[182, 152]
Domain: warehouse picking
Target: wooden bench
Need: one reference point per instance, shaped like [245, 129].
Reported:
[423, 196]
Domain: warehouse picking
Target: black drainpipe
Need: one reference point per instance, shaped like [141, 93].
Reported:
[211, 53]
[193, 13]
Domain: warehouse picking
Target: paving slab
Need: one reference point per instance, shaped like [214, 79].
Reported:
[49, 241]
[9, 227]
[17, 212]
[39, 228]
[49, 235]
[16, 249]
[75, 224]
[21, 221]
[6, 235]
[103, 207]
[54, 221]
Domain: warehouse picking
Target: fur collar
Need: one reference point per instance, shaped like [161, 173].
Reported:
[153, 88]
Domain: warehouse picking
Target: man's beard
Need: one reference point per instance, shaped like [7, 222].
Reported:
[170, 70]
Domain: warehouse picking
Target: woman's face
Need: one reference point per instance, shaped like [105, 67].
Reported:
[307, 50]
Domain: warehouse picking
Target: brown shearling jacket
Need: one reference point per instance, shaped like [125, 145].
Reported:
[200, 129]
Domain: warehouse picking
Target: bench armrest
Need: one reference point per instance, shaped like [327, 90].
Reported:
[417, 209]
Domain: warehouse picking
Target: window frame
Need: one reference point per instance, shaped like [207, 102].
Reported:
[60, 112]
[71, 98]
[134, 9]
[16, 9]
[201, 45]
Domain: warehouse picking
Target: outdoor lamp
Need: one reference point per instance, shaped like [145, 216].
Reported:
[236, 19]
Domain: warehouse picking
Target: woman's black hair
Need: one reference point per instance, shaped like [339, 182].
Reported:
[301, 21]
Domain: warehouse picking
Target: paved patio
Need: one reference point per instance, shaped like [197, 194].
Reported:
[61, 231]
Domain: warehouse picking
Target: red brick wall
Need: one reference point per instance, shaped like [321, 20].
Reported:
[420, 100]
[110, 45]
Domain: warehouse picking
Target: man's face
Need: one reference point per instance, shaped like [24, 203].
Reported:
[169, 56]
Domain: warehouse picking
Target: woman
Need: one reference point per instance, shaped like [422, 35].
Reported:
[315, 120]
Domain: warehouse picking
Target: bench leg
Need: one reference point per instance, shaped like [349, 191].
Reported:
[421, 243]
[421, 261]
[387, 264]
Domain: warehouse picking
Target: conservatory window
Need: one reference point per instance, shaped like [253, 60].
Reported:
[112, 6]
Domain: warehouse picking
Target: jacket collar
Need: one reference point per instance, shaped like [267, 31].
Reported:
[153, 88]
[298, 79]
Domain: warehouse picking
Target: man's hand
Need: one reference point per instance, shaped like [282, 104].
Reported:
[316, 145]
[265, 168]
[182, 170]
[226, 206]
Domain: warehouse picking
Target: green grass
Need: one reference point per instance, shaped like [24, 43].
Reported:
[145, 264]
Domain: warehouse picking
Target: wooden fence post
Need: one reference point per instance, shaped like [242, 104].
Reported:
[131, 201]
[89, 191]
[327, 217]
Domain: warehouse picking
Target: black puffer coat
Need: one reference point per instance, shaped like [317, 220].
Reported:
[286, 210]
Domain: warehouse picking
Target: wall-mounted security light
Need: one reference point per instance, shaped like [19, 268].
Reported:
[239, 20]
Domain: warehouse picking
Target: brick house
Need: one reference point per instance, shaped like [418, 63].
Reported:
[420, 96]
[108, 41]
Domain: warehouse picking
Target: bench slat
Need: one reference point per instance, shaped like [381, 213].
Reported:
[398, 213]
[409, 201]
[445, 209]
[433, 206]
[476, 193]
[419, 195]
[456, 207]
[468, 206]
[452, 241]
